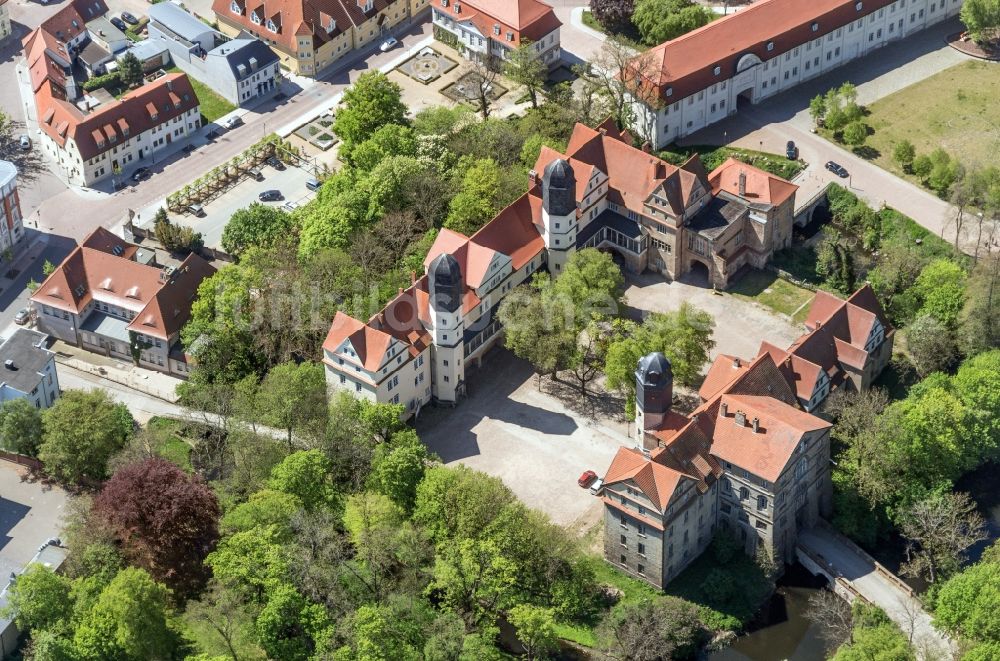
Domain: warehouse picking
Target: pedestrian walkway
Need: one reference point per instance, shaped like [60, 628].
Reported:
[825, 551]
[157, 384]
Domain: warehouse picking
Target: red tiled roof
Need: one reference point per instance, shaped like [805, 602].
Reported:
[657, 482]
[62, 120]
[524, 19]
[687, 63]
[760, 187]
[161, 301]
[723, 370]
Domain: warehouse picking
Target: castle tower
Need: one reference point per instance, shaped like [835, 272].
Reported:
[654, 390]
[559, 212]
[446, 289]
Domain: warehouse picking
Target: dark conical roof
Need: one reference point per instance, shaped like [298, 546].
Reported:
[559, 188]
[654, 369]
[445, 276]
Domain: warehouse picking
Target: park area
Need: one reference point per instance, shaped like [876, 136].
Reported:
[955, 110]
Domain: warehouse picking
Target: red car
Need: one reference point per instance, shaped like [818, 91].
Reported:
[587, 478]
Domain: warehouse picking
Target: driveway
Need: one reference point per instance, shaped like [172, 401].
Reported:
[740, 325]
[528, 438]
[31, 513]
[769, 125]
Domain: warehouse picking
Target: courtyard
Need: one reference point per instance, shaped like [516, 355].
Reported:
[539, 436]
[955, 110]
[31, 513]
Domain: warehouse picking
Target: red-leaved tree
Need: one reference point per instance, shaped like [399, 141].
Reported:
[165, 520]
[614, 15]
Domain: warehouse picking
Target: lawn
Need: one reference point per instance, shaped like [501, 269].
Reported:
[774, 293]
[956, 109]
[169, 441]
[213, 106]
[713, 156]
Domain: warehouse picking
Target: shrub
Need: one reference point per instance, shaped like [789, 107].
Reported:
[107, 80]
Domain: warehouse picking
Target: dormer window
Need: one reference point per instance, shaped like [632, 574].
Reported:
[510, 36]
[770, 45]
[717, 70]
[332, 25]
[496, 30]
[458, 8]
[857, 6]
[444, 3]
[255, 18]
[369, 5]
[815, 27]
[271, 26]
[235, 8]
[670, 91]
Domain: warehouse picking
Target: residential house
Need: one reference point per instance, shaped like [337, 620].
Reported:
[29, 369]
[241, 69]
[105, 42]
[310, 35]
[11, 227]
[493, 28]
[602, 193]
[103, 300]
[766, 48]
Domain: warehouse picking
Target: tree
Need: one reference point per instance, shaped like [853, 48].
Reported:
[834, 615]
[650, 630]
[479, 199]
[476, 579]
[130, 70]
[613, 69]
[903, 153]
[292, 397]
[931, 345]
[938, 530]
[591, 282]
[220, 623]
[264, 508]
[817, 108]
[388, 140]
[39, 599]
[536, 630]
[977, 385]
[370, 103]
[305, 475]
[82, 431]
[539, 328]
[968, 604]
[128, 621]
[256, 225]
[398, 468]
[856, 133]
[253, 563]
[289, 627]
[982, 20]
[20, 427]
[663, 20]
[940, 290]
[614, 15]
[979, 321]
[459, 503]
[526, 68]
[922, 166]
[165, 520]
[884, 643]
[484, 74]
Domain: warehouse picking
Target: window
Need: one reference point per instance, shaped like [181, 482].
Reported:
[642, 549]
[717, 70]
[761, 525]
[641, 530]
[622, 560]
[640, 569]
[770, 45]
[761, 502]
[744, 493]
[624, 521]
[624, 541]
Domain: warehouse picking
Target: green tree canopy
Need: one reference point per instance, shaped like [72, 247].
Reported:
[663, 20]
[982, 19]
[305, 475]
[256, 225]
[479, 198]
[969, 603]
[39, 599]
[524, 66]
[20, 427]
[398, 468]
[83, 429]
[292, 397]
[370, 103]
[388, 140]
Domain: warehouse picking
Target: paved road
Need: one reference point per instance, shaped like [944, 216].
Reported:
[786, 117]
[903, 609]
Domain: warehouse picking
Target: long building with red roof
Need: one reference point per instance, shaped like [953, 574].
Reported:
[752, 459]
[92, 140]
[602, 193]
[493, 28]
[108, 296]
[766, 48]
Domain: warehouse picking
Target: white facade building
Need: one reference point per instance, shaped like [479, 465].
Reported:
[489, 28]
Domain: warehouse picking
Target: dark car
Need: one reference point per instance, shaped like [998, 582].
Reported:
[276, 163]
[280, 96]
[129, 18]
[189, 148]
[269, 196]
[118, 23]
[837, 169]
[791, 151]
[140, 174]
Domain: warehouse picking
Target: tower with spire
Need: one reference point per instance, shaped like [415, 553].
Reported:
[559, 223]
[446, 288]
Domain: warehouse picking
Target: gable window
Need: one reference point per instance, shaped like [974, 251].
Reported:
[235, 8]
[255, 18]
[271, 26]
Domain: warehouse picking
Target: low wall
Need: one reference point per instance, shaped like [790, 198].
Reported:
[879, 567]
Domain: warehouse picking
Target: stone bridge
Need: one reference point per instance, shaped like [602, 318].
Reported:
[854, 574]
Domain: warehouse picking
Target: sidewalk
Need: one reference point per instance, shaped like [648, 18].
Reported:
[159, 385]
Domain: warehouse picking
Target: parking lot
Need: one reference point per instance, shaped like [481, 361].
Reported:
[30, 514]
[290, 182]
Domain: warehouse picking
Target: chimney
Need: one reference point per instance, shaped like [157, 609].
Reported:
[533, 177]
[756, 425]
[743, 184]
[602, 131]
[736, 363]
[740, 419]
[724, 409]
[646, 147]
[413, 277]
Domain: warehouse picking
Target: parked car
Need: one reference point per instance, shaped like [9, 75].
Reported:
[118, 23]
[22, 316]
[290, 206]
[232, 122]
[129, 18]
[188, 148]
[596, 486]
[256, 174]
[269, 195]
[196, 210]
[791, 151]
[388, 44]
[587, 478]
[313, 184]
[276, 163]
[837, 169]
[25, 142]
[140, 174]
